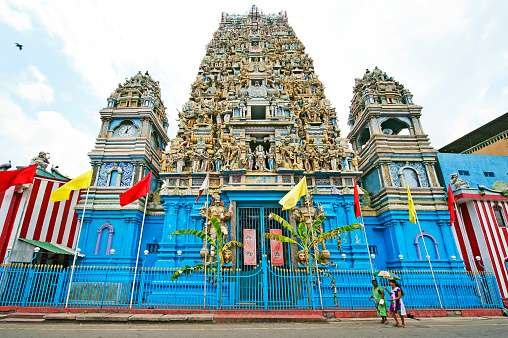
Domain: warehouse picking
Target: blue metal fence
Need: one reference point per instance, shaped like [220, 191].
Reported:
[265, 287]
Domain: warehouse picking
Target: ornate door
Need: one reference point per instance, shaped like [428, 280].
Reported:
[252, 224]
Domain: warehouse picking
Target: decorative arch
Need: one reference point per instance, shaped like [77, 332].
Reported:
[111, 231]
[114, 176]
[422, 237]
[409, 177]
[395, 126]
[363, 137]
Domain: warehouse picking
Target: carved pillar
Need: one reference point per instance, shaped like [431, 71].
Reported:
[145, 126]
[386, 180]
[104, 127]
[417, 127]
[397, 239]
[166, 256]
[449, 246]
[181, 221]
[431, 174]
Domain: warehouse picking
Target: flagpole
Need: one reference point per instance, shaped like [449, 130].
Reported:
[366, 242]
[316, 261]
[365, 235]
[206, 239]
[137, 254]
[430, 263]
[80, 226]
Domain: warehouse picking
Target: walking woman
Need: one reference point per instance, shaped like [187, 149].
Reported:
[378, 295]
[397, 305]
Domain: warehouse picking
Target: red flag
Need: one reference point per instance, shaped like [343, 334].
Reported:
[358, 208]
[137, 191]
[16, 177]
[451, 205]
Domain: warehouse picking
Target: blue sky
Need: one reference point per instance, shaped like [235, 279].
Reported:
[452, 55]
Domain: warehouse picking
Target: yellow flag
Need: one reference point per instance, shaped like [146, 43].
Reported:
[293, 196]
[63, 193]
[411, 207]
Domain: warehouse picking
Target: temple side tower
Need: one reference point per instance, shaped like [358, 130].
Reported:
[394, 153]
[130, 143]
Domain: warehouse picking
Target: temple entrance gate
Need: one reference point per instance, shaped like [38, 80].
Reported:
[264, 264]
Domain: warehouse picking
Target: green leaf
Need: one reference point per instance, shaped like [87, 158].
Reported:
[281, 238]
[335, 233]
[285, 224]
[198, 233]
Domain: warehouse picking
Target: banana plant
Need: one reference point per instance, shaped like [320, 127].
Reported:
[308, 237]
[222, 247]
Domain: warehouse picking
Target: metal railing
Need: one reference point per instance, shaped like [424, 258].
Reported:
[265, 287]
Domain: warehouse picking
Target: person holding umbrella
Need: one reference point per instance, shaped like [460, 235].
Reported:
[378, 295]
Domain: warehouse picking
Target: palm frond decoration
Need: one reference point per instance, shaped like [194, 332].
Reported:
[335, 233]
[218, 243]
[285, 224]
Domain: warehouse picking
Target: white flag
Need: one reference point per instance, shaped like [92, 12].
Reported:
[203, 187]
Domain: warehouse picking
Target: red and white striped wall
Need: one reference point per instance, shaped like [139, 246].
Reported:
[42, 220]
[478, 234]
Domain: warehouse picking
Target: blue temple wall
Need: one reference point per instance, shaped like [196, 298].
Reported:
[473, 168]
[390, 234]
[182, 212]
[119, 230]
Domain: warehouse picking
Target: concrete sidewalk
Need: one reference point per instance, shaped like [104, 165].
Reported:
[227, 316]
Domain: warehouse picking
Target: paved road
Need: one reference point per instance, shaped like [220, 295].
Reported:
[446, 327]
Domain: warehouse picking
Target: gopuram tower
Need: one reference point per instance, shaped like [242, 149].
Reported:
[395, 153]
[257, 121]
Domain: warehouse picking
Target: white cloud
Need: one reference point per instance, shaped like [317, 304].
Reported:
[441, 51]
[35, 87]
[24, 136]
[13, 17]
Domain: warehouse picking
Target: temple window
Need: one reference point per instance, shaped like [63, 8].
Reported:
[410, 177]
[104, 239]
[500, 217]
[423, 240]
[363, 137]
[394, 126]
[114, 178]
[258, 112]
[488, 174]
[464, 172]
[152, 248]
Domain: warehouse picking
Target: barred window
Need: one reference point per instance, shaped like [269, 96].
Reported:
[499, 214]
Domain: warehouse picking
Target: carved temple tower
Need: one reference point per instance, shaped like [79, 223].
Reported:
[257, 121]
[130, 143]
[394, 153]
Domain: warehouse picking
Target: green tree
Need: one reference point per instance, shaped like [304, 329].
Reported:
[221, 246]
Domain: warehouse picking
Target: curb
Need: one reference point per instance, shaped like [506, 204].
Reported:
[227, 316]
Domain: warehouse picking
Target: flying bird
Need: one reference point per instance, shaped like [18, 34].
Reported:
[20, 46]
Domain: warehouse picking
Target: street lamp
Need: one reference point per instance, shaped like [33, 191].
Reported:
[401, 257]
[453, 258]
[36, 251]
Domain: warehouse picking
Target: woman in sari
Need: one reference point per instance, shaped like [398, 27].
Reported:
[397, 305]
[378, 295]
